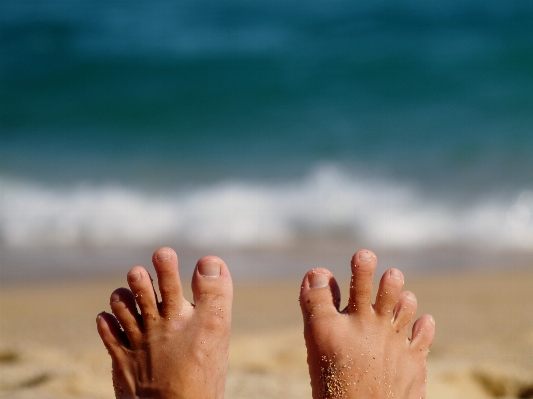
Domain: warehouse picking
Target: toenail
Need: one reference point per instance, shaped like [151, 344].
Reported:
[396, 274]
[318, 280]
[210, 268]
[366, 256]
[432, 320]
[133, 277]
[115, 297]
[163, 256]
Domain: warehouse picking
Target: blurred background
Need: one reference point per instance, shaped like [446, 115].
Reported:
[277, 133]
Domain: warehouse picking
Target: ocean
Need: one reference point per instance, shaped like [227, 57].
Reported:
[405, 126]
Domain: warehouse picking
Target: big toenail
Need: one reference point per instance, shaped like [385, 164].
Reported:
[366, 256]
[318, 280]
[210, 268]
[133, 277]
[115, 297]
[163, 256]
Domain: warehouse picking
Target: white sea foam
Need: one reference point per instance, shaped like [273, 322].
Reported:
[390, 214]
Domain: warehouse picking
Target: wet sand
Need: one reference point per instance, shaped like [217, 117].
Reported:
[49, 347]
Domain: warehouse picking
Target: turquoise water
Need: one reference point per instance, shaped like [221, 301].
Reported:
[248, 124]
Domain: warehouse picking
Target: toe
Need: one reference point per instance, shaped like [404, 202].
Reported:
[123, 306]
[363, 265]
[319, 295]
[111, 334]
[141, 286]
[423, 333]
[404, 311]
[212, 287]
[165, 263]
[389, 290]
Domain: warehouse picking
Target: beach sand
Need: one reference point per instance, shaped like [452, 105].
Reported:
[49, 347]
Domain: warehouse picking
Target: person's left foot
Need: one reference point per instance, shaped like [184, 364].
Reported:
[172, 349]
[365, 351]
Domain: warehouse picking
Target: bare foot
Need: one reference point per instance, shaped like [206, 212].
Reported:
[364, 351]
[172, 349]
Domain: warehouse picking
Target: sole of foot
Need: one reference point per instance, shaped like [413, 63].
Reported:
[170, 348]
[366, 350]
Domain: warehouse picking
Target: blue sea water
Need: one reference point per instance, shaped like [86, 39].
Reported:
[401, 124]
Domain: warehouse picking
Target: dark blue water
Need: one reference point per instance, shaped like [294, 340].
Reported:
[408, 122]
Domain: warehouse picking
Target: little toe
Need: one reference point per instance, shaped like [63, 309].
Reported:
[404, 311]
[165, 263]
[110, 332]
[212, 287]
[389, 290]
[141, 286]
[319, 295]
[123, 306]
[363, 264]
[423, 334]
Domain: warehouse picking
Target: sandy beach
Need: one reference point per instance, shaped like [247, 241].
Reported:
[49, 347]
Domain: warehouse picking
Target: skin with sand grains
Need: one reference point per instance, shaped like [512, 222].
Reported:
[364, 351]
[172, 349]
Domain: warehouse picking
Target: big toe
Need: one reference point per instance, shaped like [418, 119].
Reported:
[212, 288]
[319, 295]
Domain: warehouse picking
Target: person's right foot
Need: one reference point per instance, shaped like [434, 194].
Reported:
[173, 349]
[365, 351]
